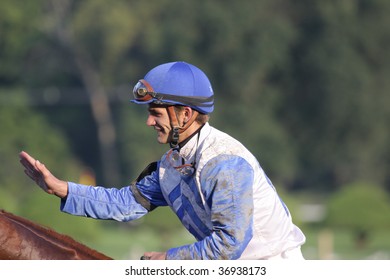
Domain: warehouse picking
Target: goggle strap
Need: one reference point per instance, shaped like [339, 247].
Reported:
[149, 88]
[189, 101]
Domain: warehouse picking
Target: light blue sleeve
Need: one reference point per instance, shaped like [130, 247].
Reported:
[125, 204]
[102, 203]
[227, 182]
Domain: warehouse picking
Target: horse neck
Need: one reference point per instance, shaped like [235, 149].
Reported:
[53, 237]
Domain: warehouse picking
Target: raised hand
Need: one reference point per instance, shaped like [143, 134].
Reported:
[42, 176]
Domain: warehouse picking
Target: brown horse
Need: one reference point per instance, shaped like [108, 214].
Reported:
[21, 239]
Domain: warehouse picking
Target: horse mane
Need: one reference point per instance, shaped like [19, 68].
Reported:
[50, 234]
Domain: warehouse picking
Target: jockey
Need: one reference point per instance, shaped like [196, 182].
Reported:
[214, 185]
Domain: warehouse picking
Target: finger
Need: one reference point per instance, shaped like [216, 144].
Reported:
[25, 162]
[29, 174]
[27, 165]
[38, 180]
[25, 156]
[31, 171]
[33, 174]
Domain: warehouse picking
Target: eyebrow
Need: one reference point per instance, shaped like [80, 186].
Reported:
[153, 111]
[154, 107]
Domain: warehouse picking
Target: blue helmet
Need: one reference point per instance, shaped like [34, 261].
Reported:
[176, 83]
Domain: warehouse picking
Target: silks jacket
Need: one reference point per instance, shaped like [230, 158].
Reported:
[229, 204]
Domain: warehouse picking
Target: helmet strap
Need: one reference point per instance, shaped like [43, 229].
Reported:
[176, 128]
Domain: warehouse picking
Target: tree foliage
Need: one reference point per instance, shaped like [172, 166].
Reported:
[360, 207]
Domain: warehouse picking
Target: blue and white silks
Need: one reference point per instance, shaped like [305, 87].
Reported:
[229, 205]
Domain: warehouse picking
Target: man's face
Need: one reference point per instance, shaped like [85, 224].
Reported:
[158, 119]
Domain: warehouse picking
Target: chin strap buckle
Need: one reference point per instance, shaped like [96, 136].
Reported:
[175, 138]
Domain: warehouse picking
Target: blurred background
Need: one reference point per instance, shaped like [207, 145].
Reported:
[303, 84]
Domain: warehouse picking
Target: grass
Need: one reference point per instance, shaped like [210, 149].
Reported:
[158, 231]
[128, 242]
[342, 245]
[161, 230]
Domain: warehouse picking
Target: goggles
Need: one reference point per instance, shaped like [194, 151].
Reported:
[144, 92]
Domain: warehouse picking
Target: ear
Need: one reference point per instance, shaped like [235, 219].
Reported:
[187, 114]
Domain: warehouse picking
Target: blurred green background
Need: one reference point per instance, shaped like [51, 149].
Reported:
[303, 84]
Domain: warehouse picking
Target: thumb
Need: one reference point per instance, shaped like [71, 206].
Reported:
[38, 165]
[41, 168]
[50, 183]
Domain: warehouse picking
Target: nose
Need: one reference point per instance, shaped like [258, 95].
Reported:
[150, 121]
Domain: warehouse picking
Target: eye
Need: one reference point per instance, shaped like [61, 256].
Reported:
[154, 113]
